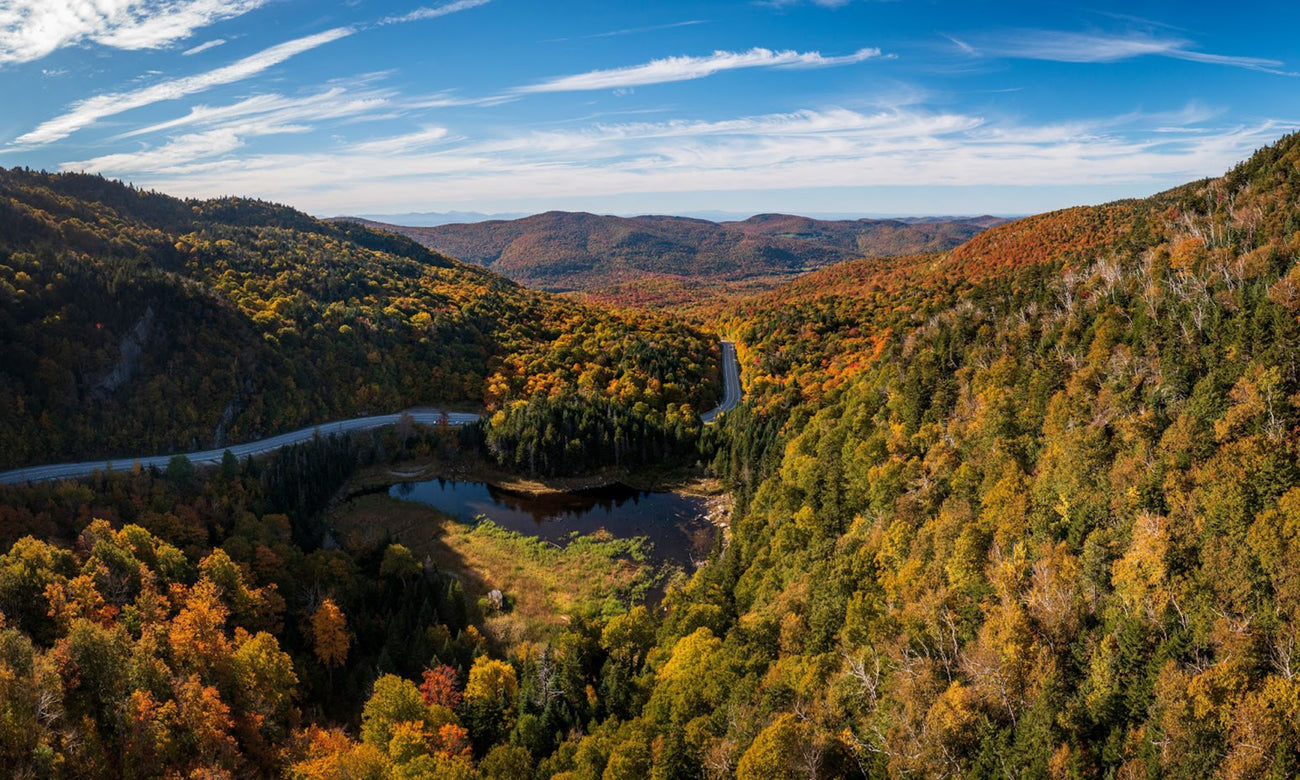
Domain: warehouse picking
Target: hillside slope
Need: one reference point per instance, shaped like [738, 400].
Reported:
[137, 322]
[1022, 508]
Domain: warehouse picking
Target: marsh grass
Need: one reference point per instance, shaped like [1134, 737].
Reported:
[545, 584]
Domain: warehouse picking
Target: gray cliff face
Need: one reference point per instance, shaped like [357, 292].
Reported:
[130, 350]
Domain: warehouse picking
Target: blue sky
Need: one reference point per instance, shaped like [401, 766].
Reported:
[803, 106]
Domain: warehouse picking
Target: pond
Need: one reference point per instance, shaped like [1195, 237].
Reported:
[676, 525]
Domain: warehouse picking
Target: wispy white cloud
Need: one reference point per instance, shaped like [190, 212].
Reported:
[87, 112]
[338, 101]
[822, 3]
[1138, 22]
[402, 144]
[1059, 46]
[234, 131]
[206, 134]
[212, 44]
[91, 110]
[638, 30]
[628, 31]
[833, 147]
[671, 69]
[32, 29]
[166, 158]
[433, 12]
[218, 131]
[962, 45]
[827, 123]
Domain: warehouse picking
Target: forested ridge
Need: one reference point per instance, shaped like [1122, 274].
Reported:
[136, 323]
[1026, 508]
[1026, 511]
[652, 261]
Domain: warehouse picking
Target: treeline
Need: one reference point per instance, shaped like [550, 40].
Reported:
[568, 434]
[744, 448]
[300, 480]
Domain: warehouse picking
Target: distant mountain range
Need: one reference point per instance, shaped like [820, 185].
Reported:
[573, 251]
[435, 218]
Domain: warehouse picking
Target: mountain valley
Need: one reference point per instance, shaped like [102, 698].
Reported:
[1024, 498]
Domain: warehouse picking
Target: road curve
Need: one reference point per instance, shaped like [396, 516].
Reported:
[731, 397]
[86, 468]
[730, 381]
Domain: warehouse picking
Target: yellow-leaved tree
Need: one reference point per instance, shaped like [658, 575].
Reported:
[329, 632]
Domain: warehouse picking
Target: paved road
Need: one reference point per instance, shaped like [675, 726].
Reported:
[730, 375]
[730, 381]
[84, 469]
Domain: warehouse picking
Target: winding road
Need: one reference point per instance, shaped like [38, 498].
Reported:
[731, 397]
[730, 381]
[261, 447]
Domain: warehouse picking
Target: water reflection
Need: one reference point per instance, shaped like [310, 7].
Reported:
[674, 524]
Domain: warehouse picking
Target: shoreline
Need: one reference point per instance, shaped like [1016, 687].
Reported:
[474, 468]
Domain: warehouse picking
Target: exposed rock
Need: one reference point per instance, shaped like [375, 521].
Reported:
[130, 349]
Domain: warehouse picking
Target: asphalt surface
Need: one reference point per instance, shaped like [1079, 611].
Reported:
[730, 381]
[241, 451]
[731, 397]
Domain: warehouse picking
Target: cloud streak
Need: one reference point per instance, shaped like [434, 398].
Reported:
[204, 47]
[670, 69]
[32, 29]
[402, 144]
[627, 31]
[87, 112]
[206, 134]
[433, 12]
[832, 147]
[1058, 46]
[338, 101]
[167, 157]
[822, 3]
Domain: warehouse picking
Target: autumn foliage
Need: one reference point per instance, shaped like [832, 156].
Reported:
[329, 632]
[135, 323]
[1027, 508]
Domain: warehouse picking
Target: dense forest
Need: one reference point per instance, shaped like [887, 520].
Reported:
[1026, 508]
[565, 435]
[136, 324]
[182, 626]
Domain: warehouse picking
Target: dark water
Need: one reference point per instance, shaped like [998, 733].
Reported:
[674, 524]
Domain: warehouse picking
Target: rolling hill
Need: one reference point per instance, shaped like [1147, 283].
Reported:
[619, 256]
